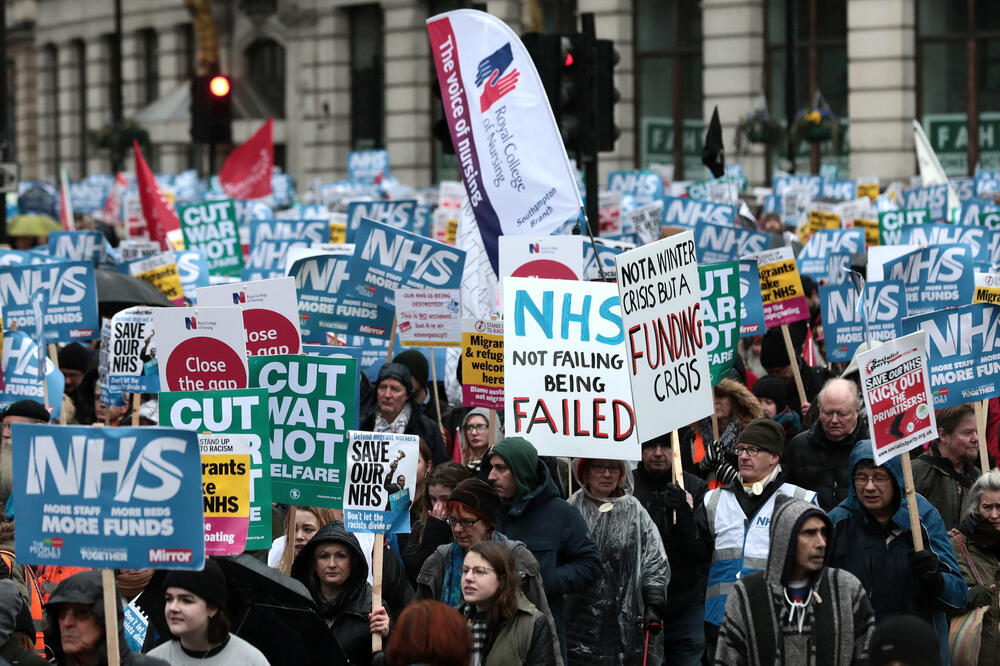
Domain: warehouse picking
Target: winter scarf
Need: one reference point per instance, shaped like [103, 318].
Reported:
[451, 586]
[398, 425]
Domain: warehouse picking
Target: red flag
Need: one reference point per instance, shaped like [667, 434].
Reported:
[246, 173]
[65, 203]
[160, 218]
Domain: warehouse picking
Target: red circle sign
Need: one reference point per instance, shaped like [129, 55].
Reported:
[205, 364]
[269, 333]
[545, 268]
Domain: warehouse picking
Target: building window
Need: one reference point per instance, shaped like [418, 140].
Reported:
[958, 82]
[668, 85]
[266, 73]
[149, 67]
[559, 16]
[51, 88]
[367, 78]
[80, 62]
[820, 66]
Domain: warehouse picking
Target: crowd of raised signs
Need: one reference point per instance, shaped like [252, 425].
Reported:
[388, 476]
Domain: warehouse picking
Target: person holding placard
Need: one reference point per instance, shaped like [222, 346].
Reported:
[610, 621]
[333, 567]
[872, 540]
[397, 410]
[194, 602]
[945, 473]
[735, 407]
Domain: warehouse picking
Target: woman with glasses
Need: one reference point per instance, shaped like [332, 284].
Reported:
[474, 437]
[430, 531]
[506, 628]
[607, 624]
[472, 512]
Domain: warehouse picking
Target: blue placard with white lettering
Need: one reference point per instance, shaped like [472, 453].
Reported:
[77, 245]
[20, 374]
[719, 243]
[367, 166]
[751, 302]
[987, 182]
[307, 231]
[267, 256]
[398, 214]
[973, 209]
[963, 352]
[386, 259]
[192, 267]
[843, 326]
[932, 197]
[812, 258]
[126, 498]
[845, 190]
[936, 277]
[645, 186]
[978, 238]
[965, 187]
[331, 302]
[21, 258]
[685, 212]
[781, 182]
[72, 306]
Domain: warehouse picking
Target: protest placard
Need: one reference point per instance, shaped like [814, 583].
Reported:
[890, 223]
[642, 185]
[720, 306]
[270, 313]
[837, 266]
[77, 245]
[566, 378]
[192, 269]
[200, 349]
[844, 322]
[978, 238]
[398, 214]
[368, 166]
[309, 231]
[812, 258]
[609, 213]
[934, 198]
[243, 413]
[134, 624]
[820, 219]
[717, 243]
[132, 365]
[870, 227]
[268, 258]
[963, 352]
[558, 257]
[381, 470]
[665, 344]
[868, 188]
[132, 249]
[935, 277]
[70, 513]
[225, 485]
[21, 358]
[987, 288]
[328, 304]
[212, 227]
[781, 287]
[647, 220]
[896, 388]
[71, 306]
[312, 406]
[685, 212]
[482, 363]
[386, 259]
[428, 317]
[159, 270]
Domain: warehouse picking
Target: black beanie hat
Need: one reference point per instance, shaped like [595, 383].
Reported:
[209, 583]
[772, 348]
[480, 497]
[417, 364]
[764, 434]
[396, 371]
[904, 639]
[74, 357]
[29, 409]
[774, 389]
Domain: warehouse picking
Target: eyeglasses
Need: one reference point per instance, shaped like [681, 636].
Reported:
[477, 572]
[464, 522]
[878, 479]
[751, 451]
[476, 427]
[600, 468]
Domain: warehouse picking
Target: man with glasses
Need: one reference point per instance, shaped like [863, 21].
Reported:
[873, 541]
[817, 458]
[738, 516]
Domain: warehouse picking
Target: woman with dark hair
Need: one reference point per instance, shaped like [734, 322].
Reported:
[429, 632]
[474, 437]
[432, 531]
[197, 624]
[333, 567]
[772, 393]
[506, 628]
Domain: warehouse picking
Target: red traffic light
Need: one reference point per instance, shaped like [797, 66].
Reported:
[569, 60]
[219, 85]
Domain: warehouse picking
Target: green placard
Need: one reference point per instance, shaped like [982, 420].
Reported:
[890, 223]
[312, 406]
[241, 411]
[720, 309]
[212, 227]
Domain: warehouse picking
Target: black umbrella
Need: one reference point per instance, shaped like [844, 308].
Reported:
[273, 612]
[117, 291]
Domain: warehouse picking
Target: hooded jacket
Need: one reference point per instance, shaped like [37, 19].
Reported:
[347, 615]
[982, 543]
[935, 478]
[763, 627]
[605, 622]
[549, 526]
[86, 588]
[812, 461]
[418, 424]
[880, 561]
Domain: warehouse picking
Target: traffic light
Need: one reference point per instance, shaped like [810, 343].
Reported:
[606, 57]
[211, 109]
[556, 64]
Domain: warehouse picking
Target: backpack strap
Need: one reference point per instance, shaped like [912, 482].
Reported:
[959, 538]
[760, 617]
